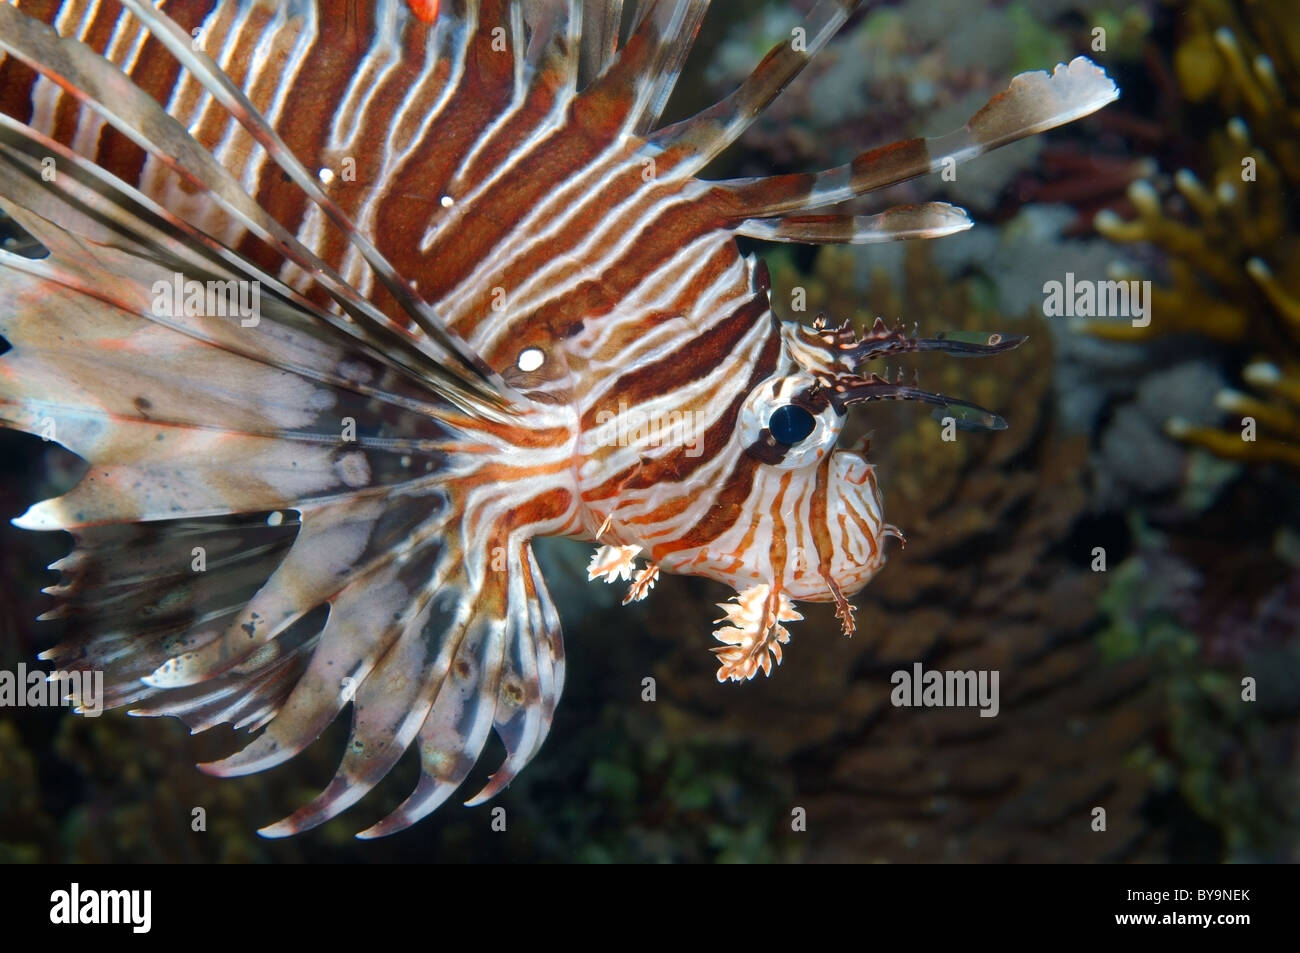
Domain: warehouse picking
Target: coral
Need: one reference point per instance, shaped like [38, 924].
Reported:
[635, 794]
[1230, 235]
[24, 826]
[1226, 739]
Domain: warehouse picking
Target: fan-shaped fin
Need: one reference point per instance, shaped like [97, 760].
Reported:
[470, 657]
[365, 618]
[133, 596]
[331, 552]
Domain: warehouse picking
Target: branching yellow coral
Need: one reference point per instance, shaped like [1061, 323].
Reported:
[1233, 251]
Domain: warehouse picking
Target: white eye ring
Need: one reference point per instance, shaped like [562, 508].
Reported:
[530, 359]
[766, 399]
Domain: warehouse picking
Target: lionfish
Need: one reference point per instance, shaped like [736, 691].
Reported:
[472, 251]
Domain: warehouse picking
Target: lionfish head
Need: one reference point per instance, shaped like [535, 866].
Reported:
[812, 527]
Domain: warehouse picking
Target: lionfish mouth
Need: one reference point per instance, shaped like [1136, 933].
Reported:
[329, 500]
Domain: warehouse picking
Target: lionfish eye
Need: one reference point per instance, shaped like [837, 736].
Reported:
[790, 424]
[778, 427]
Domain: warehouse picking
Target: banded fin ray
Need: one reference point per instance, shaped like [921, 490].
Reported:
[1033, 102]
[103, 89]
[601, 20]
[707, 133]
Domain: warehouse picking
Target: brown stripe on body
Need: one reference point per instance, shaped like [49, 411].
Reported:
[678, 466]
[374, 125]
[503, 475]
[460, 251]
[530, 436]
[728, 507]
[737, 563]
[306, 118]
[780, 545]
[484, 90]
[818, 525]
[658, 242]
[865, 529]
[548, 505]
[621, 337]
[156, 72]
[215, 121]
[537, 105]
[537, 330]
[562, 159]
[695, 359]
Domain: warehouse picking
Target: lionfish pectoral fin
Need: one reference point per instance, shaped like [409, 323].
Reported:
[461, 658]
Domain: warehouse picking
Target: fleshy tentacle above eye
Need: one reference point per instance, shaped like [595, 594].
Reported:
[837, 355]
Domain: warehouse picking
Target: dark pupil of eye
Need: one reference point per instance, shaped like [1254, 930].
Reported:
[790, 424]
